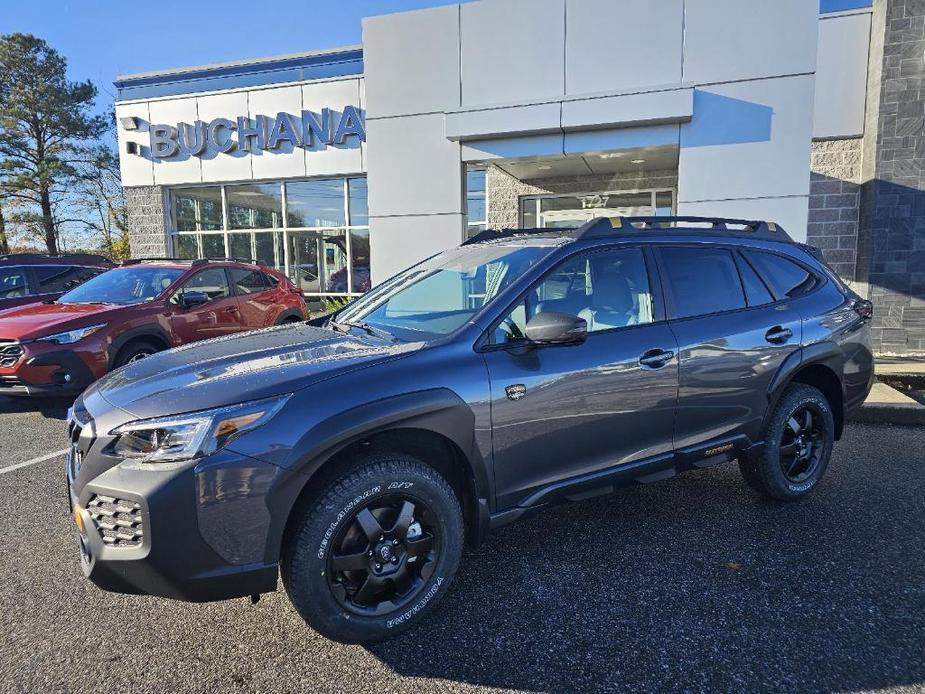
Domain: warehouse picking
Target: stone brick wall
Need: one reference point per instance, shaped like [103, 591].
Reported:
[147, 230]
[834, 195]
[504, 192]
[893, 202]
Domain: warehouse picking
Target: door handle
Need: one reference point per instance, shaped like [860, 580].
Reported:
[778, 335]
[656, 358]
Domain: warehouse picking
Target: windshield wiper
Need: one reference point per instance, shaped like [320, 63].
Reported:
[346, 326]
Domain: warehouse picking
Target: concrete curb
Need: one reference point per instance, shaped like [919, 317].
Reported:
[877, 413]
[886, 405]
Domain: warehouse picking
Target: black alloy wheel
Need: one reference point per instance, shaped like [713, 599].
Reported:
[384, 555]
[802, 444]
[797, 443]
[370, 553]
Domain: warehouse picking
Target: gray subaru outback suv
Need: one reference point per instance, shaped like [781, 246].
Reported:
[356, 457]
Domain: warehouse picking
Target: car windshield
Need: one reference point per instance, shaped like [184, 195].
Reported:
[123, 286]
[441, 294]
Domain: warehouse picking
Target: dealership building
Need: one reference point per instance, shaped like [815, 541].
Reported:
[342, 167]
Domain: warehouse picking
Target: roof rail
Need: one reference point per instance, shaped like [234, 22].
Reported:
[137, 261]
[194, 261]
[250, 261]
[603, 227]
[69, 257]
[494, 234]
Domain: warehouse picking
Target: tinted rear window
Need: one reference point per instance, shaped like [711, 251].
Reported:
[248, 281]
[60, 278]
[701, 281]
[755, 290]
[785, 278]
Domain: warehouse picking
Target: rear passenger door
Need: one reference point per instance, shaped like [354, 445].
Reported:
[733, 334]
[255, 297]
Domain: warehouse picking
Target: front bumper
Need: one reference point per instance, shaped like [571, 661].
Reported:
[41, 371]
[200, 532]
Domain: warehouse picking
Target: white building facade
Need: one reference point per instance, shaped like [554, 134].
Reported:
[343, 167]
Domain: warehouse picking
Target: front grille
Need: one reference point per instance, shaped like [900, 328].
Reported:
[119, 521]
[10, 382]
[10, 352]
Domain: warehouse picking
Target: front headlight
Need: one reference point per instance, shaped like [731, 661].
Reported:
[71, 336]
[191, 436]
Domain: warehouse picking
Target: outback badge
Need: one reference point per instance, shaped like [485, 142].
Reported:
[516, 391]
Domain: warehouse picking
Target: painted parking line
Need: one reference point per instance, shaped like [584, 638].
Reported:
[40, 459]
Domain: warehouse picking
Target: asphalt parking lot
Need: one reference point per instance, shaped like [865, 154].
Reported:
[694, 584]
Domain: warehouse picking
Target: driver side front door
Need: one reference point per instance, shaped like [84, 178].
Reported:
[220, 315]
[560, 412]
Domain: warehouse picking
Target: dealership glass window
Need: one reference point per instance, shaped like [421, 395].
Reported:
[255, 206]
[318, 261]
[315, 204]
[197, 209]
[266, 247]
[316, 231]
[476, 202]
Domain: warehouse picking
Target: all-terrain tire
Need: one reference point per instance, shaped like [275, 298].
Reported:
[307, 557]
[765, 471]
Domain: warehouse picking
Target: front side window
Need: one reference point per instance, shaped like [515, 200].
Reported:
[440, 295]
[700, 281]
[12, 282]
[123, 286]
[609, 289]
[211, 282]
[787, 279]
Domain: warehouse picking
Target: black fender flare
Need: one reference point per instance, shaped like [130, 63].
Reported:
[141, 332]
[289, 313]
[825, 354]
[438, 410]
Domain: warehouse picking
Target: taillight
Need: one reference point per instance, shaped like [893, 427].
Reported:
[864, 309]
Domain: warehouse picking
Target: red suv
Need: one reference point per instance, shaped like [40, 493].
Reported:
[130, 312]
[29, 277]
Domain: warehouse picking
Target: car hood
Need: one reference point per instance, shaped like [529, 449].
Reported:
[238, 368]
[37, 320]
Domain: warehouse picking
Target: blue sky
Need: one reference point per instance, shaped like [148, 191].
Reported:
[104, 38]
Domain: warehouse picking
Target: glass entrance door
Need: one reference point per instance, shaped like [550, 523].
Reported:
[550, 211]
[574, 218]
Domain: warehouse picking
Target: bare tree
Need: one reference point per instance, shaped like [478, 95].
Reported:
[100, 200]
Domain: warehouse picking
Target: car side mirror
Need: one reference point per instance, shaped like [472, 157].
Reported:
[551, 328]
[190, 299]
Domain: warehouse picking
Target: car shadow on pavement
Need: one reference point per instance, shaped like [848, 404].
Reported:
[50, 408]
[694, 584]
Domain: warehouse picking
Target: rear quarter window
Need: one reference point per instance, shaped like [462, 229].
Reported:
[786, 278]
[700, 281]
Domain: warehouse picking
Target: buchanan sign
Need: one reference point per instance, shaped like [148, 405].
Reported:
[262, 133]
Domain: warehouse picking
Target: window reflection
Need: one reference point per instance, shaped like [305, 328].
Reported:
[319, 226]
[315, 203]
[255, 206]
[197, 209]
[318, 261]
